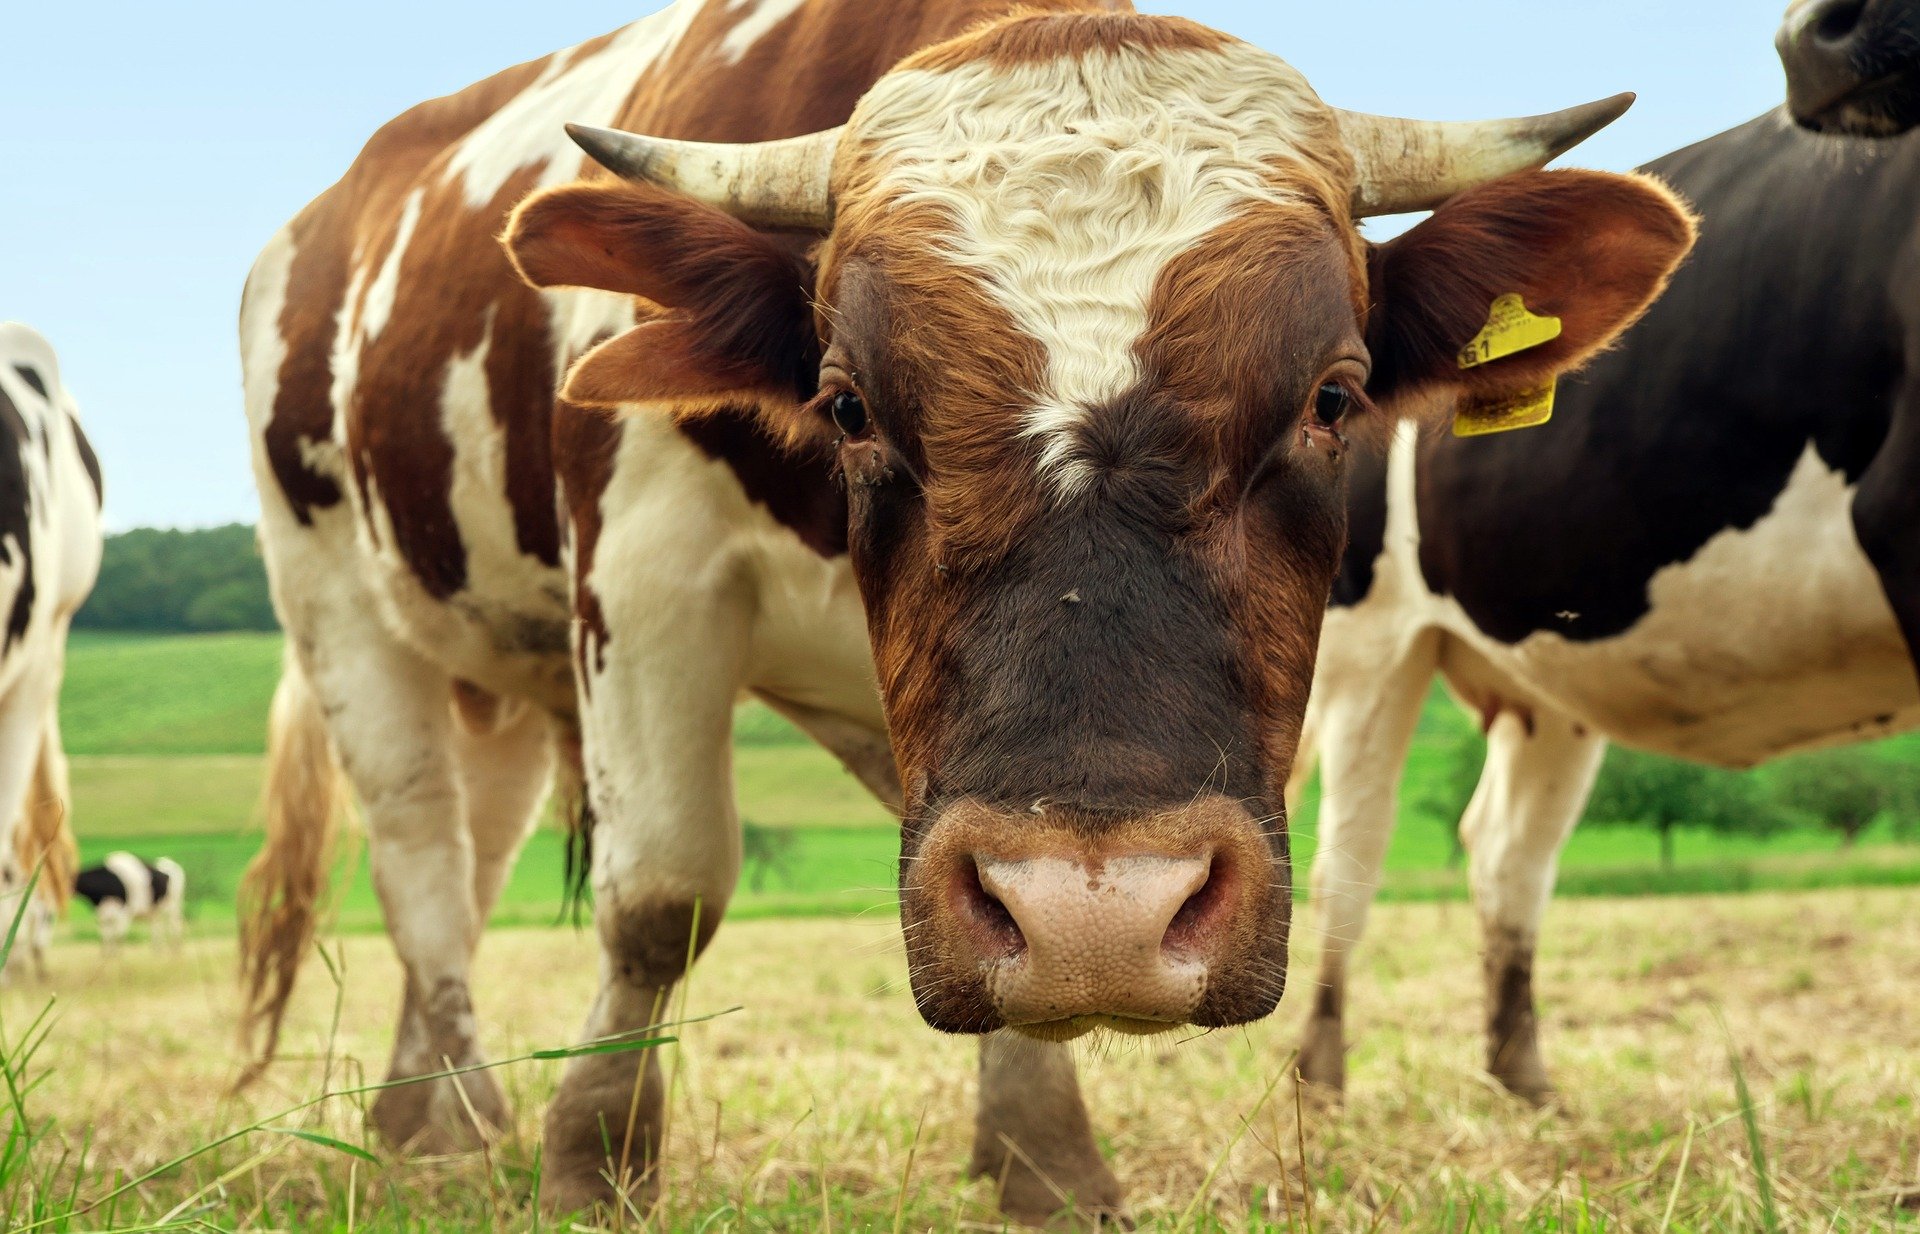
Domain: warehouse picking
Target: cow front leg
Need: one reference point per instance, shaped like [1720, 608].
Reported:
[1033, 1139]
[1370, 685]
[657, 698]
[1540, 768]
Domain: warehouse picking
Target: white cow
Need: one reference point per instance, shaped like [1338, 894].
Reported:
[49, 557]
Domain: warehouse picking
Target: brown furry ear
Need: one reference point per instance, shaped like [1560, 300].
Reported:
[740, 332]
[659, 364]
[1591, 248]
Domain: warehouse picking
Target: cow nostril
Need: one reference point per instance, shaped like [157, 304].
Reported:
[1201, 916]
[986, 910]
[1838, 21]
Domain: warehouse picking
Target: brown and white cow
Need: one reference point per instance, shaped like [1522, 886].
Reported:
[990, 420]
[49, 557]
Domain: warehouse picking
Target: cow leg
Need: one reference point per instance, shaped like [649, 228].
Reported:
[1540, 768]
[1368, 692]
[657, 730]
[1032, 1136]
[388, 713]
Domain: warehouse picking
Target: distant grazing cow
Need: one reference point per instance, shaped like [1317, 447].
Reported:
[996, 407]
[49, 556]
[1712, 552]
[124, 889]
[1853, 66]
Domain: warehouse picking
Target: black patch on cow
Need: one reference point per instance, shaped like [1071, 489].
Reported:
[90, 461]
[97, 884]
[32, 377]
[1784, 329]
[797, 489]
[16, 517]
[1366, 527]
[160, 880]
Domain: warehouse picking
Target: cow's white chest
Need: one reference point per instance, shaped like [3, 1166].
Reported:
[1767, 640]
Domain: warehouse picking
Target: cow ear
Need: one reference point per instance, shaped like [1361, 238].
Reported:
[727, 320]
[1592, 249]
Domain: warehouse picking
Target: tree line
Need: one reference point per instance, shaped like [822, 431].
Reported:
[180, 582]
[1845, 790]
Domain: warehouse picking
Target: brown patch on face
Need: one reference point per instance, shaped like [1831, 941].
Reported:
[1072, 31]
[327, 235]
[1246, 327]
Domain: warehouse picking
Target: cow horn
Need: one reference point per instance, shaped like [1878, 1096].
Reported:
[780, 184]
[1406, 165]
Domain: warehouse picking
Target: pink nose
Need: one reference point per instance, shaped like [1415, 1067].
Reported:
[1123, 938]
[1063, 921]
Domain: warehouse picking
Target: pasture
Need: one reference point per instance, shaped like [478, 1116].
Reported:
[821, 1102]
[818, 1100]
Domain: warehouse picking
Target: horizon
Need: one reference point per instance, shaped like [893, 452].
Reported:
[138, 285]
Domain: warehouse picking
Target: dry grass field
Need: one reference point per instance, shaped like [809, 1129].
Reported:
[804, 1109]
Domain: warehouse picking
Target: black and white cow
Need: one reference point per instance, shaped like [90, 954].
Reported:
[1712, 552]
[49, 556]
[124, 889]
[1853, 66]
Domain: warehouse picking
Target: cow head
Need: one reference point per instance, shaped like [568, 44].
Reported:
[1089, 325]
[1853, 66]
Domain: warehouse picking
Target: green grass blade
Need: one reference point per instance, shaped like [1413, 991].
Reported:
[326, 1141]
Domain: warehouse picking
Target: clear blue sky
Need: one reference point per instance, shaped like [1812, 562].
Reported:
[148, 150]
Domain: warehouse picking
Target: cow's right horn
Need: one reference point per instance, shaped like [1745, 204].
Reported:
[780, 184]
[1407, 165]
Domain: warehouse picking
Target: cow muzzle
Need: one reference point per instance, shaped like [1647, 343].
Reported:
[1056, 922]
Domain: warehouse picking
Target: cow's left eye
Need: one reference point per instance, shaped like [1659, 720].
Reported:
[849, 413]
[1332, 403]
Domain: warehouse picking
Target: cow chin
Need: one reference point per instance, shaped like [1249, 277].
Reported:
[1059, 923]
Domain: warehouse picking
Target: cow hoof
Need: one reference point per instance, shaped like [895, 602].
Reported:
[433, 1119]
[1527, 1079]
[568, 1189]
[1323, 1060]
[1090, 1202]
[585, 1147]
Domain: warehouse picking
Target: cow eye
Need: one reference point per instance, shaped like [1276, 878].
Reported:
[1332, 403]
[849, 413]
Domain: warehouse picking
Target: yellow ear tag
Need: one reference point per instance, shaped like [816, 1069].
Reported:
[1505, 413]
[1510, 329]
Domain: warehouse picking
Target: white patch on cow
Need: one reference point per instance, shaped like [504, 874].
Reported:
[1768, 640]
[377, 308]
[761, 16]
[495, 564]
[706, 596]
[530, 130]
[1071, 184]
[371, 295]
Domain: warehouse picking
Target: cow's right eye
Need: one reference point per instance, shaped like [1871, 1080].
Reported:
[849, 413]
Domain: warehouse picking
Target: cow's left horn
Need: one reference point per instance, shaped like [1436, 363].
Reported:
[770, 183]
[1406, 165]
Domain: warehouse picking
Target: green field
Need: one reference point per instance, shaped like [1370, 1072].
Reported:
[166, 735]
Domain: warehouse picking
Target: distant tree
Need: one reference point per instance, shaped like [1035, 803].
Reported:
[1445, 795]
[180, 582]
[1848, 789]
[767, 850]
[1638, 789]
